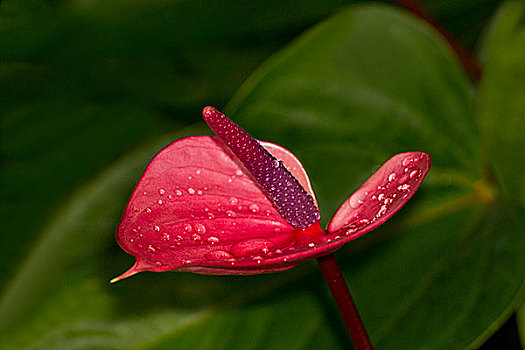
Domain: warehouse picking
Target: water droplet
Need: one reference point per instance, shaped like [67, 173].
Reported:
[408, 160]
[414, 173]
[391, 177]
[275, 163]
[160, 201]
[136, 209]
[170, 196]
[213, 240]
[198, 172]
[210, 216]
[218, 255]
[238, 172]
[254, 208]
[356, 200]
[230, 213]
[267, 213]
[186, 262]
[156, 228]
[189, 178]
[196, 237]
[311, 245]
[165, 236]
[199, 192]
[388, 201]
[161, 191]
[188, 228]
[381, 197]
[381, 211]
[233, 201]
[404, 187]
[250, 247]
[178, 193]
[278, 251]
[151, 249]
[230, 179]
[179, 238]
[158, 263]
[199, 228]
[191, 191]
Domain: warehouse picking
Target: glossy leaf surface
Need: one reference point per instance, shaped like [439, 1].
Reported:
[447, 261]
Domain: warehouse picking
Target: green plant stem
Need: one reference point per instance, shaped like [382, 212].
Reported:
[344, 301]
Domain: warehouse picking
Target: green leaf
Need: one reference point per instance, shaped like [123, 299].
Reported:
[521, 324]
[501, 100]
[367, 84]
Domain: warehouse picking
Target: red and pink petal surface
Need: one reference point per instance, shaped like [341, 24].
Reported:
[196, 208]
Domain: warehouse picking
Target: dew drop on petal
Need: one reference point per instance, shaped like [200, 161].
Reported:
[151, 249]
[230, 213]
[356, 200]
[199, 228]
[165, 236]
[213, 240]
[191, 191]
[254, 208]
[148, 210]
[249, 247]
[414, 173]
[199, 192]
[238, 172]
[196, 237]
[233, 201]
[381, 211]
[187, 228]
[161, 191]
[156, 228]
[391, 177]
[160, 201]
[404, 187]
[178, 193]
[218, 255]
[275, 163]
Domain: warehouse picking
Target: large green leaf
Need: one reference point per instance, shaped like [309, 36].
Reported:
[502, 105]
[368, 84]
[364, 85]
[521, 324]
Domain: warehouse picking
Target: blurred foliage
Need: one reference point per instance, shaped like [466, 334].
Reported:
[90, 89]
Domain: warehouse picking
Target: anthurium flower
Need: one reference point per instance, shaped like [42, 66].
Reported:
[230, 204]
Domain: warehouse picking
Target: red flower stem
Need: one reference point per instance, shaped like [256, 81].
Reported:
[469, 63]
[344, 301]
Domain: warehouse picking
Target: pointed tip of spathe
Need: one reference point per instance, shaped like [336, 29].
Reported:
[132, 271]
